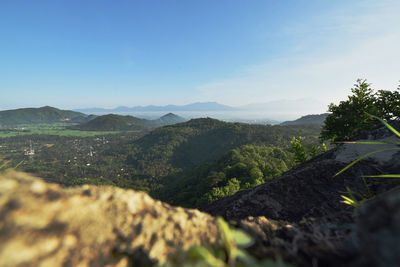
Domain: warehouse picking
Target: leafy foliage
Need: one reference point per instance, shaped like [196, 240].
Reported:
[303, 153]
[241, 168]
[300, 153]
[232, 253]
[350, 116]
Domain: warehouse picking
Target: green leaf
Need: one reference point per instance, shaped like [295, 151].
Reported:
[202, 253]
[240, 238]
[382, 176]
[349, 201]
[245, 258]
[225, 231]
[350, 192]
[363, 157]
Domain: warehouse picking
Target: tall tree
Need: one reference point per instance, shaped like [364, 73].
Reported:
[350, 116]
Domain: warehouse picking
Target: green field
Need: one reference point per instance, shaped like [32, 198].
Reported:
[51, 130]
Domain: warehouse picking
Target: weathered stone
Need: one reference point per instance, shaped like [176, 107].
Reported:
[46, 225]
[377, 230]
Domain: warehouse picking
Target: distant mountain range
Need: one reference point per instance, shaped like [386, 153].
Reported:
[308, 119]
[278, 105]
[43, 115]
[200, 106]
[253, 113]
[268, 112]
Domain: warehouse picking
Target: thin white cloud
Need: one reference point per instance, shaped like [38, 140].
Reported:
[354, 46]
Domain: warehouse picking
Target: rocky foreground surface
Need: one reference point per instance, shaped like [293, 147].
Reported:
[45, 225]
[326, 232]
[297, 217]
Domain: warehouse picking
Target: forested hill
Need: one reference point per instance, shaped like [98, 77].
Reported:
[114, 122]
[187, 160]
[169, 119]
[43, 115]
[308, 119]
[172, 149]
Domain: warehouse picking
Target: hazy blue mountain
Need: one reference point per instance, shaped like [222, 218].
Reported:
[199, 106]
[47, 114]
[308, 119]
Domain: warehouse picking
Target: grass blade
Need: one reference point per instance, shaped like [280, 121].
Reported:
[4, 164]
[363, 157]
[14, 168]
[386, 124]
[368, 143]
[382, 176]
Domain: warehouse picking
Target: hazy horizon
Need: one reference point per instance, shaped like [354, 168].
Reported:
[274, 111]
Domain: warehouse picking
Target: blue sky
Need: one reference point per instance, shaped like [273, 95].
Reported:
[72, 54]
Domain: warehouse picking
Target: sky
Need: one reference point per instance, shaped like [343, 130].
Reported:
[101, 53]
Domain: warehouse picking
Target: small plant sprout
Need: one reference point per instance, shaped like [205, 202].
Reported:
[350, 200]
[232, 253]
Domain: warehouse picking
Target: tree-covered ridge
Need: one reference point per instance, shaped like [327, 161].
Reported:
[41, 115]
[168, 119]
[308, 119]
[114, 122]
[176, 148]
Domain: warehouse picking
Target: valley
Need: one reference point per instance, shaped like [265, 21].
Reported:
[218, 157]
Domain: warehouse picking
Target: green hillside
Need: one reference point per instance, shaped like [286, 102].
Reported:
[43, 115]
[182, 146]
[241, 168]
[308, 119]
[169, 119]
[114, 122]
